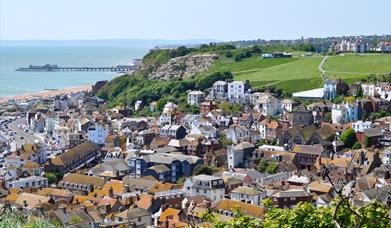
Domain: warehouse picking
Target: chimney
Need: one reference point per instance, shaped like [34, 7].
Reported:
[111, 192]
[25, 204]
[62, 209]
[84, 209]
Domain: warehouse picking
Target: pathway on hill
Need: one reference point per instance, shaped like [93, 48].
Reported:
[322, 70]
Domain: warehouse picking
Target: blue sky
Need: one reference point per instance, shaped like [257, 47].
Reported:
[196, 19]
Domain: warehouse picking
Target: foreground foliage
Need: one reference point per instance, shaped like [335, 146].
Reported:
[306, 215]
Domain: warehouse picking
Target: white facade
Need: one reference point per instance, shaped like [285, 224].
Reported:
[28, 182]
[330, 89]
[247, 195]
[368, 89]
[268, 105]
[195, 97]
[97, 133]
[387, 157]
[359, 126]
[239, 92]
[205, 185]
[344, 113]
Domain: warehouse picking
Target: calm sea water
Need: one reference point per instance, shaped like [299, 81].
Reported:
[15, 82]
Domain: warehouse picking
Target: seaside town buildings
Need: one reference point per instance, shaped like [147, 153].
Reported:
[111, 168]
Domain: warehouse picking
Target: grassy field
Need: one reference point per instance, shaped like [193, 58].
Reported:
[302, 73]
[283, 73]
[359, 64]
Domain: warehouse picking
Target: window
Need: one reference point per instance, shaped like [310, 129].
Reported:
[139, 219]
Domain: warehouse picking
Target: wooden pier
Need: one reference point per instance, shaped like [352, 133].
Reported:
[51, 68]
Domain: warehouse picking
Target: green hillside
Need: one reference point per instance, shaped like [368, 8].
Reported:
[289, 74]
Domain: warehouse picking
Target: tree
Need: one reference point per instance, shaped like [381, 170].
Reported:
[224, 141]
[262, 165]
[204, 169]
[348, 137]
[356, 146]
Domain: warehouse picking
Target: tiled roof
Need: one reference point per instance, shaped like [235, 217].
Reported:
[249, 209]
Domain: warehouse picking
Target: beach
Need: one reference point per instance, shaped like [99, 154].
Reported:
[46, 93]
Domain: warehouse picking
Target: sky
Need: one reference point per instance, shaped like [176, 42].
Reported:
[223, 20]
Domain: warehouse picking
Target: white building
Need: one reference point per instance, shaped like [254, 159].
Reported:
[97, 133]
[138, 105]
[27, 182]
[344, 113]
[368, 89]
[360, 125]
[239, 92]
[195, 97]
[268, 105]
[288, 105]
[219, 90]
[387, 157]
[246, 194]
[205, 185]
[330, 89]
[60, 103]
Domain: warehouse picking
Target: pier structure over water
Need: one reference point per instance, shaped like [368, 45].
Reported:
[51, 67]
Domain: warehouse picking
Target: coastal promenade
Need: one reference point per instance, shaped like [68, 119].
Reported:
[45, 94]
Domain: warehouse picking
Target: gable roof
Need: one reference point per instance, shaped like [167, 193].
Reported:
[250, 209]
[75, 153]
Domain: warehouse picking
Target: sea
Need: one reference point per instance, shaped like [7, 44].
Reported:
[13, 56]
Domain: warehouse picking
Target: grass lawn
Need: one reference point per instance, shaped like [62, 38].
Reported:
[360, 64]
[298, 74]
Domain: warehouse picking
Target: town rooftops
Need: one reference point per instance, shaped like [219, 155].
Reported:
[245, 190]
[308, 149]
[291, 193]
[249, 209]
[76, 152]
[76, 178]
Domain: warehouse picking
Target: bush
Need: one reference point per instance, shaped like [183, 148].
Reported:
[348, 137]
[204, 169]
[356, 146]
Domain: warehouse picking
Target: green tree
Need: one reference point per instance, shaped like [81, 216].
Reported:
[204, 169]
[356, 146]
[262, 165]
[348, 137]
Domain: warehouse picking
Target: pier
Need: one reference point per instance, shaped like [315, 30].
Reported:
[50, 67]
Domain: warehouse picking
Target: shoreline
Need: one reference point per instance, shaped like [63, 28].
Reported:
[46, 93]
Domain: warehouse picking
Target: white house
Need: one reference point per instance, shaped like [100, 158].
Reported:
[246, 194]
[268, 105]
[368, 89]
[138, 105]
[330, 90]
[360, 125]
[205, 185]
[344, 113]
[239, 92]
[195, 97]
[288, 105]
[97, 133]
[27, 182]
[387, 157]
[219, 90]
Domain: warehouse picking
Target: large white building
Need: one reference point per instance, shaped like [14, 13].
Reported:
[268, 105]
[344, 113]
[360, 126]
[246, 194]
[27, 182]
[205, 185]
[330, 90]
[239, 92]
[97, 133]
[195, 97]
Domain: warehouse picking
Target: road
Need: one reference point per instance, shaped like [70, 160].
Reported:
[28, 138]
